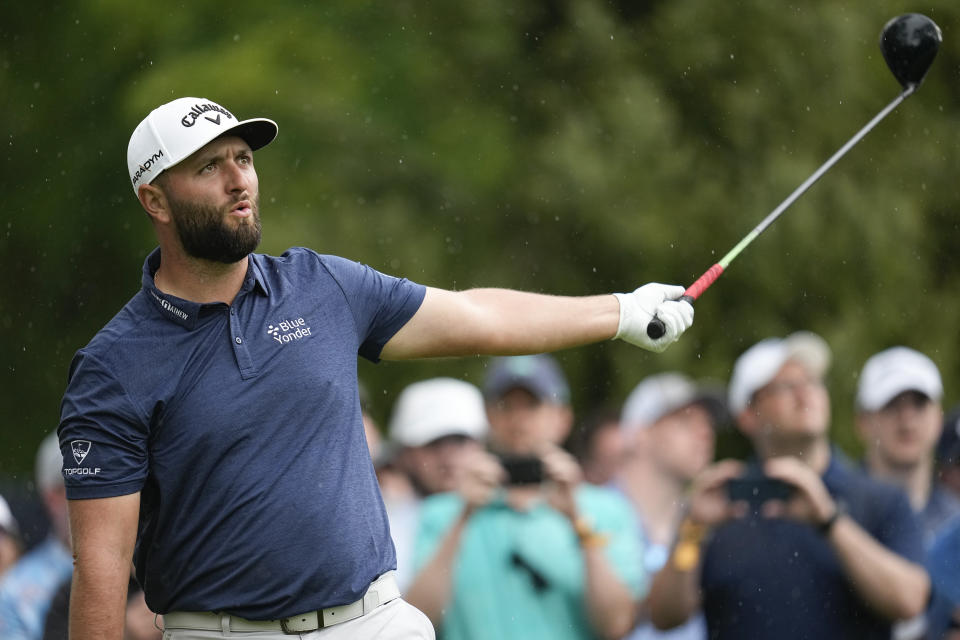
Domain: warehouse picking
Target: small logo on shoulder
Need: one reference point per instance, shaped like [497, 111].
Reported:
[80, 449]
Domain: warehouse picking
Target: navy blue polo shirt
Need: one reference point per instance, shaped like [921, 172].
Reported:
[240, 427]
[778, 578]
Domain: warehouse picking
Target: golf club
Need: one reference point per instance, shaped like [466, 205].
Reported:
[909, 44]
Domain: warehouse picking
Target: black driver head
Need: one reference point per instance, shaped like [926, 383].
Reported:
[909, 44]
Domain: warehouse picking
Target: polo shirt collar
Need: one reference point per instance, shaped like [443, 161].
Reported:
[185, 312]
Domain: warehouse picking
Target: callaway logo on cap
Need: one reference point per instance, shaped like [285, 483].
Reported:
[177, 129]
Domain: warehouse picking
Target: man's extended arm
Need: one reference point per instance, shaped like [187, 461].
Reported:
[103, 533]
[507, 322]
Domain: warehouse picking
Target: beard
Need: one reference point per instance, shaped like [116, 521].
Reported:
[205, 234]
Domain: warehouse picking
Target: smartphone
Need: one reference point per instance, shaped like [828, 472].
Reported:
[522, 469]
[757, 489]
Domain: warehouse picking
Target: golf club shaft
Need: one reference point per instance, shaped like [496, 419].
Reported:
[655, 328]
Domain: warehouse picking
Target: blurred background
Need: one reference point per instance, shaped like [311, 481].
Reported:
[563, 146]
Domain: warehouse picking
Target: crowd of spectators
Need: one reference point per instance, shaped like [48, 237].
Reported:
[512, 519]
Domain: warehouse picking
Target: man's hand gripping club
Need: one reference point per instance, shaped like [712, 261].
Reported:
[638, 308]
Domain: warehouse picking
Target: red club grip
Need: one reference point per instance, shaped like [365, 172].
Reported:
[703, 282]
[655, 328]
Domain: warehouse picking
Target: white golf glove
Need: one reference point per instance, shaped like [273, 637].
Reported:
[637, 309]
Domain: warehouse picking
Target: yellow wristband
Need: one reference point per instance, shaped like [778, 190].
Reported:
[686, 552]
[586, 535]
[686, 556]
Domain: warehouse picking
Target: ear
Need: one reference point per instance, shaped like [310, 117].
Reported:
[636, 439]
[748, 421]
[864, 425]
[154, 202]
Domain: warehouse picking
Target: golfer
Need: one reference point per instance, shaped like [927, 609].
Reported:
[211, 431]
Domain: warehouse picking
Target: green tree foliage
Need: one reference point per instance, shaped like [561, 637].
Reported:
[565, 146]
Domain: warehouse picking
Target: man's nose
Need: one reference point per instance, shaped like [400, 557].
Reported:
[236, 179]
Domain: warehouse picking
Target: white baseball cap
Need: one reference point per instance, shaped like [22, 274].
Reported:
[662, 394]
[175, 130]
[889, 373]
[432, 409]
[759, 364]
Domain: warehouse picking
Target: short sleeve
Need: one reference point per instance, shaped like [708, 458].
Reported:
[381, 304]
[103, 438]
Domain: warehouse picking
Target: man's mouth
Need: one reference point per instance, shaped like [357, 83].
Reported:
[243, 209]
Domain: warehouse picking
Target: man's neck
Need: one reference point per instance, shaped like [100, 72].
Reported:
[814, 451]
[201, 281]
[916, 480]
[658, 498]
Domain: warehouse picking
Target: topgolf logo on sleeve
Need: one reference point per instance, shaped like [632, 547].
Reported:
[80, 449]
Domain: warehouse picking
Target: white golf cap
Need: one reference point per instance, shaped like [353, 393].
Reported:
[175, 130]
[758, 365]
[432, 409]
[889, 373]
[661, 395]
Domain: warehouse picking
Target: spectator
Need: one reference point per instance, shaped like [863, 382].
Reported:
[668, 432]
[598, 445]
[435, 423]
[899, 419]
[532, 554]
[948, 453]
[10, 543]
[835, 555]
[394, 484]
[943, 562]
[27, 589]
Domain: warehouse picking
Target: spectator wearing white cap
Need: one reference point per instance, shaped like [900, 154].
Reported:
[27, 589]
[815, 548]
[10, 543]
[433, 425]
[900, 418]
[524, 549]
[667, 424]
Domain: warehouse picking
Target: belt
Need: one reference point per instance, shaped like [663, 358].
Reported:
[381, 591]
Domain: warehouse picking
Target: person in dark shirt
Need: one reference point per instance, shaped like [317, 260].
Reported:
[899, 419]
[830, 554]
